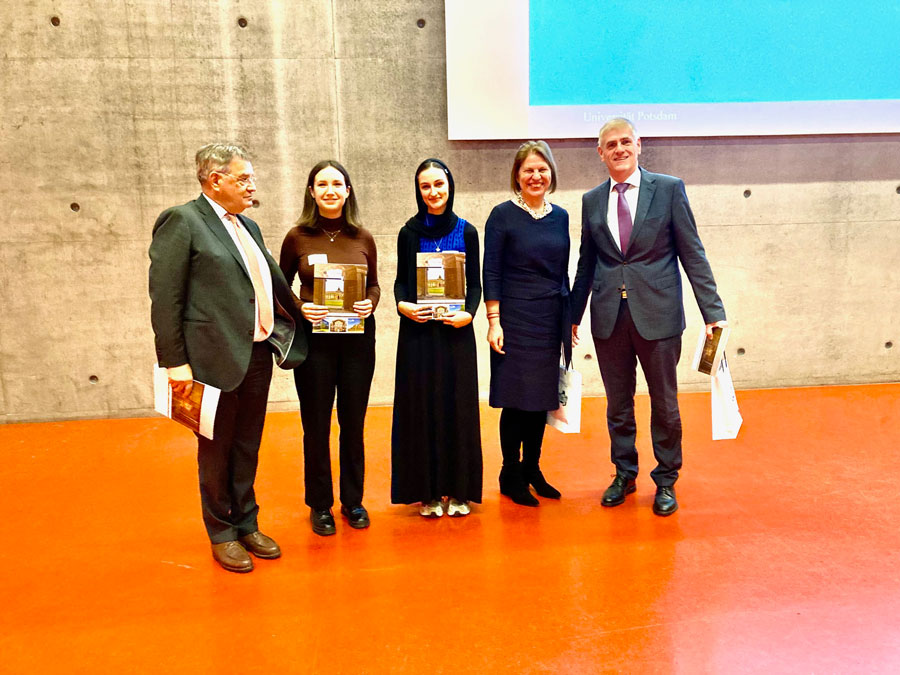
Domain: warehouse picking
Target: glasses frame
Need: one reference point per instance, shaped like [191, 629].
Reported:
[240, 182]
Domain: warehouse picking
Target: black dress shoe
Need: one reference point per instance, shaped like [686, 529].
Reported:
[665, 503]
[322, 522]
[357, 516]
[535, 477]
[513, 485]
[618, 489]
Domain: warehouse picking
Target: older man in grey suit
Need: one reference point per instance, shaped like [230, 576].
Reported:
[635, 228]
[220, 308]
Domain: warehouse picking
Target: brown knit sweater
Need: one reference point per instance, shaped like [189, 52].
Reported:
[301, 242]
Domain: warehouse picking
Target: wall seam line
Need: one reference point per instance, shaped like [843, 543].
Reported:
[337, 90]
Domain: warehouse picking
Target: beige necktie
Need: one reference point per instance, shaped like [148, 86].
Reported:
[263, 301]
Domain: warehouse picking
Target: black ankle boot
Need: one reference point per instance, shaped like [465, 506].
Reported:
[513, 485]
[534, 477]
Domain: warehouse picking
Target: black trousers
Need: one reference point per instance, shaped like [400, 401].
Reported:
[342, 364]
[227, 463]
[617, 357]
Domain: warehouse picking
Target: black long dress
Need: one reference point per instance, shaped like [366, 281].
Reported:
[436, 434]
[526, 264]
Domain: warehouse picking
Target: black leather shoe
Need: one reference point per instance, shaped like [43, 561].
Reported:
[665, 503]
[535, 477]
[513, 485]
[322, 522]
[357, 516]
[618, 489]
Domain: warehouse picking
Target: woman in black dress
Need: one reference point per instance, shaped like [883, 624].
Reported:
[436, 436]
[526, 291]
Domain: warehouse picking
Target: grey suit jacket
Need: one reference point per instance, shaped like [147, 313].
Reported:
[202, 298]
[664, 232]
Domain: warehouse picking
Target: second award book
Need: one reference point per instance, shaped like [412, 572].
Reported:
[441, 282]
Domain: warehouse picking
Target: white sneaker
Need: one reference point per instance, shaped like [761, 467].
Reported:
[433, 510]
[457, 508]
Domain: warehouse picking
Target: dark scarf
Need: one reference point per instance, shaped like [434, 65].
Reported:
[441, 225]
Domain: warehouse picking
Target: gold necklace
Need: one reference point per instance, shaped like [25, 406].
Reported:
[331, 235]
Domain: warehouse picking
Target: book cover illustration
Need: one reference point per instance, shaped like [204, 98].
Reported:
[441, 282]
[710, 349]
[337, 286]
[196, 411]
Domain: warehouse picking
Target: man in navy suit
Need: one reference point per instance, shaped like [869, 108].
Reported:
[220, 309]
[635, 228]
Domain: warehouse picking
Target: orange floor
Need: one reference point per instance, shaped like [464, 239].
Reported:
[784, 556]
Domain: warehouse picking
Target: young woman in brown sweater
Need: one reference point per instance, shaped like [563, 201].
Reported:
[328, 230]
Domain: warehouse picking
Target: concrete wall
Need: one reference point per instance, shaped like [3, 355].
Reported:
[102, 113]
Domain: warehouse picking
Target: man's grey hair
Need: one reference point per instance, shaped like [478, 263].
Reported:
[617, 123]
[216, 157]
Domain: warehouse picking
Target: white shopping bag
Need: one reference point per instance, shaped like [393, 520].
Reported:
[567, 418]
[726, 417]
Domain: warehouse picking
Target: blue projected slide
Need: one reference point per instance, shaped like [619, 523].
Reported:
[521, 69]
[685, 51]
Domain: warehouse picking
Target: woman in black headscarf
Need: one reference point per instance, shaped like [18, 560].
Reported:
[436, 436]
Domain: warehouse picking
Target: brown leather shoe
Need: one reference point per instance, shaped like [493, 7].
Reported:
[260, 545]
[232, 556]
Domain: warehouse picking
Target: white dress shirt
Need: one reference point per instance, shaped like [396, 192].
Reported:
[631, 197]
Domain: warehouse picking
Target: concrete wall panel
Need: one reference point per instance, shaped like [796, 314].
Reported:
[73, 311]
[147, 29]
[82, 28]
[67, 138]
[389, 29]
[777, 159]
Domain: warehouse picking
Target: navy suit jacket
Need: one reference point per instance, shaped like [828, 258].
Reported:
[664, 232]
[202, 298]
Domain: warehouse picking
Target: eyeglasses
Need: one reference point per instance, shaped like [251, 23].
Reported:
[240, 182]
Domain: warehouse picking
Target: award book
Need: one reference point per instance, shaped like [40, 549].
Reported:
[337, 286]
[196, 411]
[710, 349]
[441, 282]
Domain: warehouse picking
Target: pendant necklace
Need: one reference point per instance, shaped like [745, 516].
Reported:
[439, 243]
[331, 235]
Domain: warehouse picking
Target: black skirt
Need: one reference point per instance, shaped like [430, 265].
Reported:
[436, 433]
[527, 376]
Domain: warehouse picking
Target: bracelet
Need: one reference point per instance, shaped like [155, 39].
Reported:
[493, 315]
